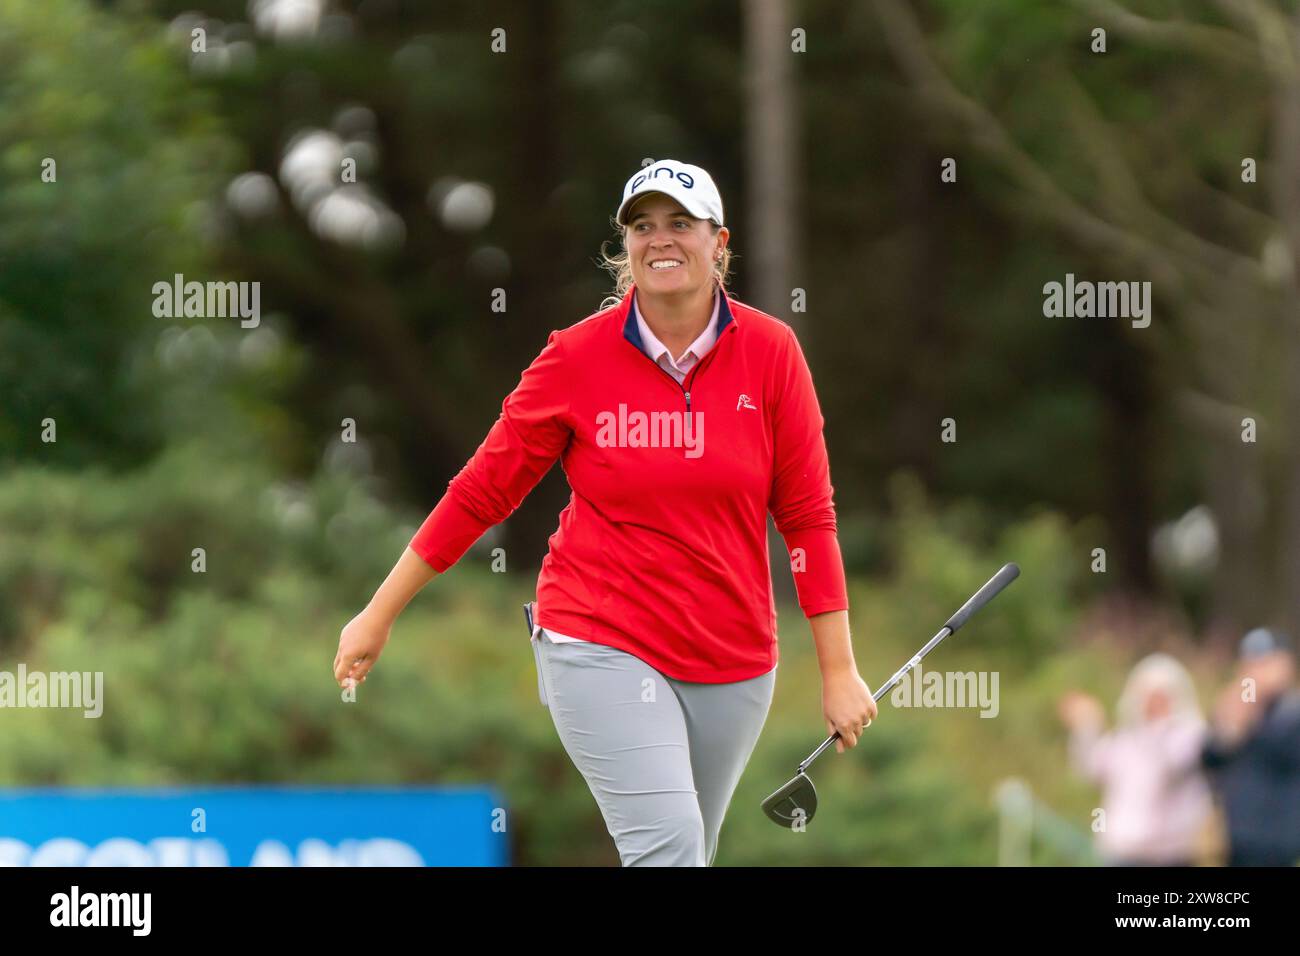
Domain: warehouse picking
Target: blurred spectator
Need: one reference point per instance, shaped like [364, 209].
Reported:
[1157, 802]
[1254, 753]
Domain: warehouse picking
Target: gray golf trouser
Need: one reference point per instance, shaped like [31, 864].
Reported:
[662, 756]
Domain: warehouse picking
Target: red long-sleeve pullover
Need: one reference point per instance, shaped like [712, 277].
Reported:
[662, 549]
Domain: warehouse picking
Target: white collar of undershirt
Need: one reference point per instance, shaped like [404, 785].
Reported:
[655, 349]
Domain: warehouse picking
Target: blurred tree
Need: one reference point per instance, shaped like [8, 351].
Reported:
[774, 143]
[1165, 195]
[106, 176]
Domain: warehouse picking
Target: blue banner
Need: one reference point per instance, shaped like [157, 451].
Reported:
[254, 826]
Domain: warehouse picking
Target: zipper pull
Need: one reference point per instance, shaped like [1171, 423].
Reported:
[688, 403]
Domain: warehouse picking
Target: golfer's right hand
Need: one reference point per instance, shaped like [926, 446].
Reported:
[360, 644]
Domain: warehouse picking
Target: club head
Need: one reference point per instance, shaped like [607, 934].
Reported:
[792, 803]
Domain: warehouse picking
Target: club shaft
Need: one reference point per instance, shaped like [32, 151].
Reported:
[885, 689]
[1006, 574]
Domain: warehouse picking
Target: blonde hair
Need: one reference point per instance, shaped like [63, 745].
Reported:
[1158, 672]
[620, 266]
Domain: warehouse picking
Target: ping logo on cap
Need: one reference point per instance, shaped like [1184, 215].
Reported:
[685, 178]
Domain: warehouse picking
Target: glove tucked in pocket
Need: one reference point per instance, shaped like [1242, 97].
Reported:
[534, 632]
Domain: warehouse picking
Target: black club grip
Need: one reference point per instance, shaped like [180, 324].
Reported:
[1005, 576]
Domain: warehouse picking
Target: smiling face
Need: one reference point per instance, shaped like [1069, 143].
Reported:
[660, 231]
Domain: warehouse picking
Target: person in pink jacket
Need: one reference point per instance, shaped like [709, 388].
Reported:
[1155, 800]
[682, 418]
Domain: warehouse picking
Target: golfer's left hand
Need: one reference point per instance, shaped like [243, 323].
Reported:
[360, 643]
[848, 707]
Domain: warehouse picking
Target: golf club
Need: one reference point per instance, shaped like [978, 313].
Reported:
[797, 800]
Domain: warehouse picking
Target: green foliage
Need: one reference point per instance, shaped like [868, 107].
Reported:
[134, 165]
[132, 536]
[943, 558]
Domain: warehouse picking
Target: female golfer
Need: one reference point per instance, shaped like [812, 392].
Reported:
[681, 417]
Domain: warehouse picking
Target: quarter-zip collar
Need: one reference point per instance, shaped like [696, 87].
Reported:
[697, 349]
[627, 309]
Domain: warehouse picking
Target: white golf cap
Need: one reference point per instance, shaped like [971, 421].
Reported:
[690, 185]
